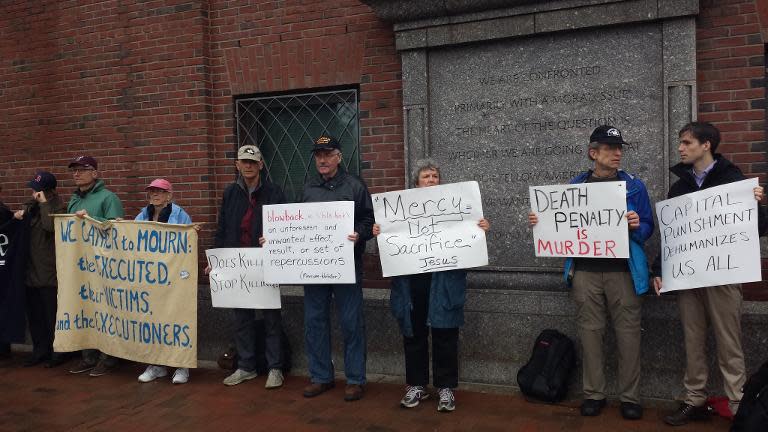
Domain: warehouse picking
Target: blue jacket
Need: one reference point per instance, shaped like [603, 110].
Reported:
[447, 295]
[637, 200]
[178, 215]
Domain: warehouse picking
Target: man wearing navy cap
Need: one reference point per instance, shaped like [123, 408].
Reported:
[611, 285]
[335, 184]
[40, 280]
[92, 198]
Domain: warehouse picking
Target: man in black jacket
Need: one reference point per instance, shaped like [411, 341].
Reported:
[701, 168]
[240, 225]
[335, 184]
[5, 215]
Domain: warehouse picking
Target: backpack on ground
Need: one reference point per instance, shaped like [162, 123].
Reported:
[545, 376]
[753, 410]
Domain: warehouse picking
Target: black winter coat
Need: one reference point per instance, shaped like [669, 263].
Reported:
[235, 204]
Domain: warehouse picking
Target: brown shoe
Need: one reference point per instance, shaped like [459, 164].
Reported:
[353, 392]
[315, 389]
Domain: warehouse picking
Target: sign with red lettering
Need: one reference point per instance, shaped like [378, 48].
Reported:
[586, 220]
[307, 243]
[710, 237]
[430, 229]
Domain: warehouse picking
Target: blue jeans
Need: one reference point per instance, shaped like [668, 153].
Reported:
[317, 331]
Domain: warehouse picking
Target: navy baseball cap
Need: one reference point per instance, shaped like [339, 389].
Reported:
[326, 142]
[606, 135]
[43, 181]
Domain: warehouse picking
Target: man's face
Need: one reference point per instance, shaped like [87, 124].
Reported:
[249, 168]
[691, 149]
[84, 176]
[607, 156]
[327, 162]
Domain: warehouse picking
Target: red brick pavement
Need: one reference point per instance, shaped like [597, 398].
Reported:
[38, 399]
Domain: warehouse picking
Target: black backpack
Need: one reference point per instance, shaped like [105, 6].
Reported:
[545, 376]
[753, 410]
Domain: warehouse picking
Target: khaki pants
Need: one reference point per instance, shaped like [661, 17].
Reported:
[597, 294]
[722, 306]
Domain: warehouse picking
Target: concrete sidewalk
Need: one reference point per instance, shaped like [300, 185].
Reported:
[39, 399]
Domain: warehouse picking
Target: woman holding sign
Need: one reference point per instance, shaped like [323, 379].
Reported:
[430, 300]
[162, 209]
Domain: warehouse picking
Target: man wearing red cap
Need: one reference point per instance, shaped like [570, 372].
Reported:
[92, 198]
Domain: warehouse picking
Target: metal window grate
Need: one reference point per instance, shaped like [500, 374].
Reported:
[284, 128]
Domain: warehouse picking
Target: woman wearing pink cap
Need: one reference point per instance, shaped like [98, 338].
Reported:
[162, 209]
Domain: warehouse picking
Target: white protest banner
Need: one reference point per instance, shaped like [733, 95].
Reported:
[586, 220]
[127, 288]
[237, 279]
[430, 229]
[710, 237]
[307, 243]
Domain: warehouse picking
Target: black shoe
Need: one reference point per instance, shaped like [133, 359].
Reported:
[56, 360]
[592, 407]
[33, 361]
[686, 413]
[631, 411]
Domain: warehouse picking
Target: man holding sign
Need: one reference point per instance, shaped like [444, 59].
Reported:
[611, 285]
[240, 225]
[335, 184]
[701, 168]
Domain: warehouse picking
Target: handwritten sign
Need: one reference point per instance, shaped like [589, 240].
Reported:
[585, 220]
[237, 279]
[430, 229]
[127, 288]
[710, 237]
[307, 243]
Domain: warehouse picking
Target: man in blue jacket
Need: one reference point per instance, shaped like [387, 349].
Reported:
[611, 285]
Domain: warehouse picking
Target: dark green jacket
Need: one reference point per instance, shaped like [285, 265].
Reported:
[41, 266]
[100, 203]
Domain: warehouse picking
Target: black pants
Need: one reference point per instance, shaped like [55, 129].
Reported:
[252, 347]
[445, 347]
[41, 316]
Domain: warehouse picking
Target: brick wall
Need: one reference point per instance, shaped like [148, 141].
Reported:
[731, 88]
[147, 87]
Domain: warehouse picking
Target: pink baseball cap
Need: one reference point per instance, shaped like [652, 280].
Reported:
[161, 184]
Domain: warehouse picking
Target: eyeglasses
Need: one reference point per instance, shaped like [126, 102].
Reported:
[80, 170]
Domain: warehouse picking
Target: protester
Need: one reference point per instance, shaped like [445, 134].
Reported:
[611, 285]
[701, 168]
[92, 198]
[40, 279]
[425, 301]
[240, 225]
[162, 209]
[335, 184]
[5, 215]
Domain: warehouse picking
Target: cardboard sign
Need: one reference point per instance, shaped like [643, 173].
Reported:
[710, 237]
[127, 288]
[430, 229]
[586, 220]
[307, 243]
[237, 279]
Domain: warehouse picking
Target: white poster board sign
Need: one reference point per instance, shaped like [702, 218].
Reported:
[430, 229]
[307, 243]
[710, 237]
[586, 220]
[237, 279]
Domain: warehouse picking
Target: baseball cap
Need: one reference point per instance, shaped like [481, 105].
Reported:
[606, 135]
[85, 161]
[326, 142]
[160, 184]
[250, 152]
[43, 180]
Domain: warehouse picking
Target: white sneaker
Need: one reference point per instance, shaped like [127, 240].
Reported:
[275, 379]
[152, 373]
[239, 376]
[181, 376]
